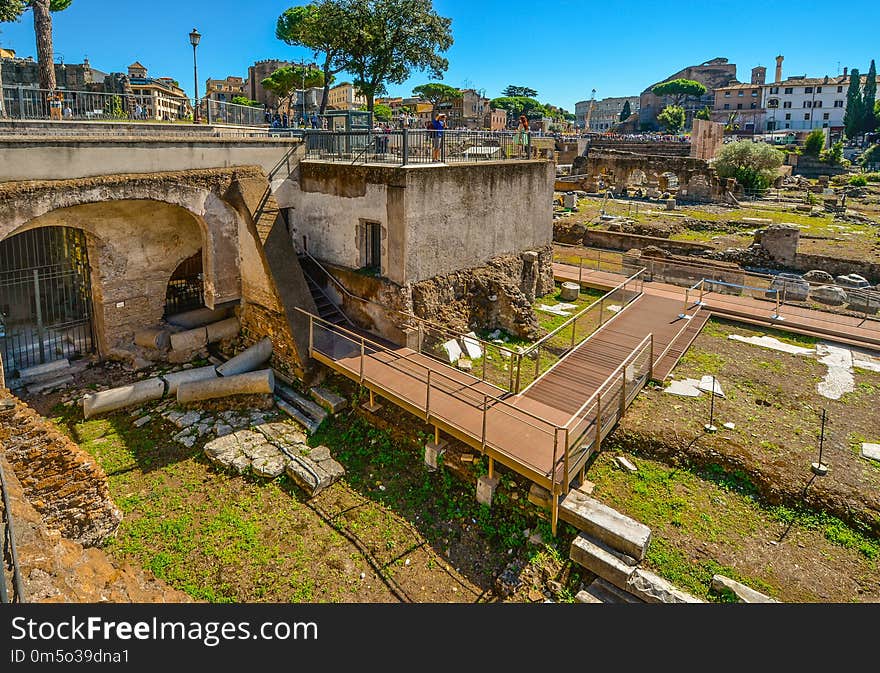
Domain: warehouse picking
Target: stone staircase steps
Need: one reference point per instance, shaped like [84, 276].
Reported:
[605, 592]
[303, 410]
[605, 524]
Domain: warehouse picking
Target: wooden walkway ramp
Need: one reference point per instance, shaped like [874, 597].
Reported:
[546, 433]
[846, 329]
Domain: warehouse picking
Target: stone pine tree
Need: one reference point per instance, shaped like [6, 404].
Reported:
[12, 10]
[854, 116]
[320, 26]
[436, 93]
[869, 98]
[393, 38]
[625, 112]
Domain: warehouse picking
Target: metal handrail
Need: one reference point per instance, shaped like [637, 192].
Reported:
[381, 348]
[632, 355]
[9, 552]
[568, 322]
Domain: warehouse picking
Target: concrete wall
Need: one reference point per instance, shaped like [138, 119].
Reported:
[26, 158]
[434, 219]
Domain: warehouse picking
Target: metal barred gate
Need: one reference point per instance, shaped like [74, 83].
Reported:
[45, 298]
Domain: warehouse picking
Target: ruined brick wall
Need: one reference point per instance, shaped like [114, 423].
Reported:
[63, 483]
[258, 322]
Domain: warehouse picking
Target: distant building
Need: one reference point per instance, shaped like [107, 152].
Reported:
[70, 76]
[256, 74]
[712, 74]
[606, 112]
[495, 120]
[467, 111]
[345, 97]
[224, 90]
[7, 53]
[159, 98]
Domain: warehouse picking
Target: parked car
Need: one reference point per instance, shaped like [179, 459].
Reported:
[790, 286]
[852, 280]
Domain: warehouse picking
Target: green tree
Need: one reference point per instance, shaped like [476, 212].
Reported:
[833, 155]
[382, 112]
[814, 143]
[705, 113]
[680, 90]
[871, 156]
[854, 115]
[244, 100]
[519, 105]
[625, 112]
[672, 118]
[285, 81]
[436, 93]
[513, 91]
[869, 100]
[754, 165]
[12, 10]
[393, 38]
[322, 27]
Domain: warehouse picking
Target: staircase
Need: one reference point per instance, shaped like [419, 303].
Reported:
[327, 310]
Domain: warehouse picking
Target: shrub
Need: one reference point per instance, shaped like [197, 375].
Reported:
[871, 155]
[815, 142]
[754, 165]
[858, 181]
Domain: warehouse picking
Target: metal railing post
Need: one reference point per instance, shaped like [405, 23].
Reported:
[518, 371]
[623, 391]
[363, 356]
[580, 270]
[421, 337]
[601, 310]
[20, 102]
[537, 361]
[598, 442]
[573, 331]
[311, 335]
[485, 408]
[599, 262]
[428, 398]
[651, 359]
[485, 357]
[405, 149]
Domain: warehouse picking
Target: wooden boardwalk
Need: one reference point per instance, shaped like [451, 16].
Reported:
[833, 326]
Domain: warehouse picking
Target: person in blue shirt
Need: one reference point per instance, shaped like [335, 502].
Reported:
[438, 125]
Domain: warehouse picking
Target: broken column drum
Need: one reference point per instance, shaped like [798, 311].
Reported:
[251, 383]
[248, 359]
[120, 398]
[570, 292]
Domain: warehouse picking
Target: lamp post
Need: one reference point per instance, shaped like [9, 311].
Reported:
[194, 38]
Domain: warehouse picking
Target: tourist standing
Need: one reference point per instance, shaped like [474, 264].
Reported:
[523, 137]
[437, 126]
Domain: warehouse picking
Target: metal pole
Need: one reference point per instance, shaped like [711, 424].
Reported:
[485, 407]
[197, 115]
[822, 437]
[363, 354]
[39, 308]
[710, 427]
[537, 362]
[428, 397]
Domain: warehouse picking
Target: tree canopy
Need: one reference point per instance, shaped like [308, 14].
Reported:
[513, 91]
[519, 105]
[869, 100]
[436, 93]
[854, 115]
[12, 10]
[285, 81]
[705, 114]
[244, 100]
[323, 27]
[754, 165]
[672, 118]
[391, 39]
[679, 89]
[814, 143]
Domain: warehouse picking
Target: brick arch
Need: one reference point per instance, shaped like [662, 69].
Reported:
[26, 203]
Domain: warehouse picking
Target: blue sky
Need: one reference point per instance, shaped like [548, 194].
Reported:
[562, 48]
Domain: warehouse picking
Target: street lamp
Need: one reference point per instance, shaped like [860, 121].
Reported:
[194, 38]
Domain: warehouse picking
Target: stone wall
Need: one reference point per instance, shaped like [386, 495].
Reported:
[55, 569]
[63, 483]
[618, 240]
[434, 219]
[780, 241]
[837, 266]
[697, 180]
[810, 167]
[707, 137]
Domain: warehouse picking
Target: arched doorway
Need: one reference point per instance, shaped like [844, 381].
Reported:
[186, 288]
[45, 297]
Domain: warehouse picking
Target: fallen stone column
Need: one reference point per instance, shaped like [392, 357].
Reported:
[247, 360]
[175, 379]
[160, 339]
[120, 398]
[191, 340]
[250, 383]
[199, 317]
[225, 329]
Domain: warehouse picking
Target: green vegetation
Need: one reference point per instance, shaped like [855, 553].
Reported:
[872, 156]
[285, 81]
[854, 115]
[680, 90]
[754, 165]
[672, 118]
[858, 181]
[814, 143]
[513, 91]
[436, 93]
[244, 100]
[705, 114]
[833, 155]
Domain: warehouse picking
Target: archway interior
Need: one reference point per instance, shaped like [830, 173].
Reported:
[45, 297]
[186, 288]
